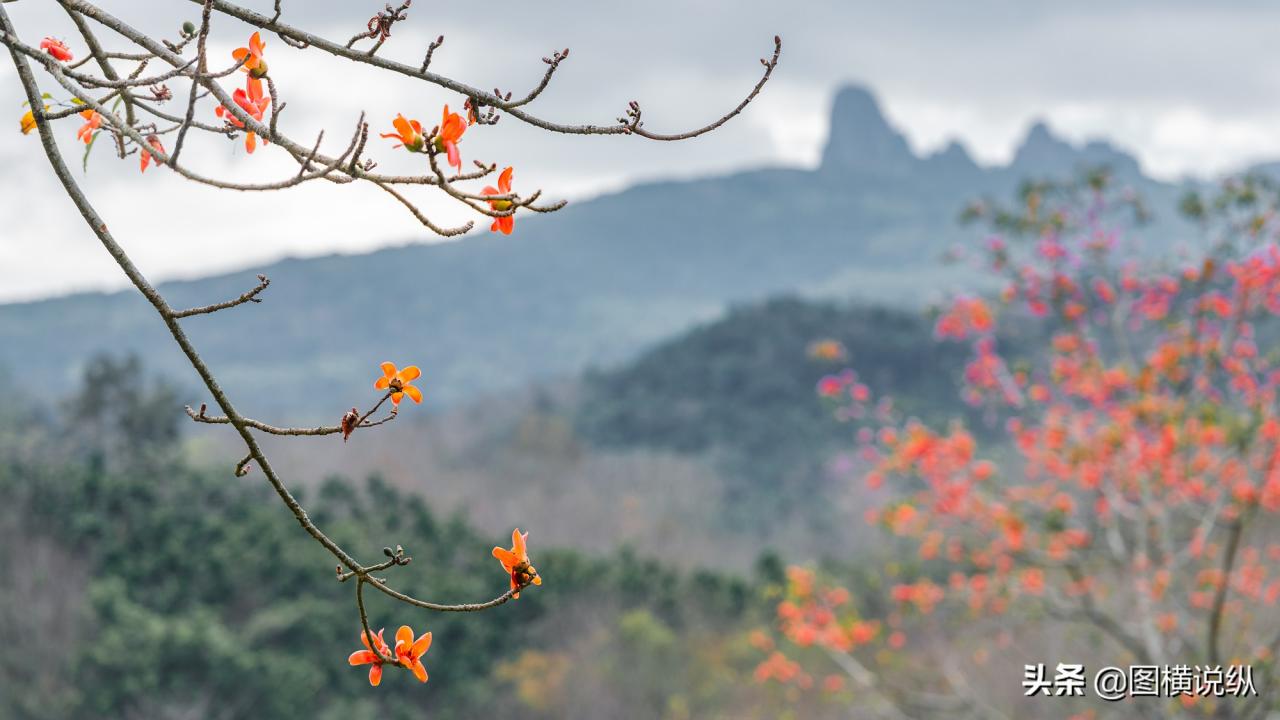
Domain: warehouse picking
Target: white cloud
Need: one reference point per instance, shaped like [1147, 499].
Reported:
[1187, 87]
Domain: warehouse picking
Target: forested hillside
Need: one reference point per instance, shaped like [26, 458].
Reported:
[743, 388]
[143, 586]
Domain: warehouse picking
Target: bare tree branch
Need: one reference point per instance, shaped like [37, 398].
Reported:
[249, 296]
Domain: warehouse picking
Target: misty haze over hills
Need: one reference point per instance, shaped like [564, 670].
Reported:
[589, 285]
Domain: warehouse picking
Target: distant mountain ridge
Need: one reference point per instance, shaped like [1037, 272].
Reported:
[589, 285]
[862, 141]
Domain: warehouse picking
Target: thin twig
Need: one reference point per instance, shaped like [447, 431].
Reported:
[250, 296]
[202, 66]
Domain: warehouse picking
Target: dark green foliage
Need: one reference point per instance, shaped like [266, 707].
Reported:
[120, 420]
[203, 596]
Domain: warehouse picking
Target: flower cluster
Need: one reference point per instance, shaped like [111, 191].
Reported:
[965, 317]
[444, 139]
[407, 654]
[254, 100]
[1142, 443]
[408, 651]
[251, 98]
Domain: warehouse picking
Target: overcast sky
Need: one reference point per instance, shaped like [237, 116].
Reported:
[1188, 87]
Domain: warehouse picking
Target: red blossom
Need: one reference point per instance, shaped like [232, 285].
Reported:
[57, 49]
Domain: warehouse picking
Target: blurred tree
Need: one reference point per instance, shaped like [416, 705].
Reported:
[1129, 519]
[118, 418]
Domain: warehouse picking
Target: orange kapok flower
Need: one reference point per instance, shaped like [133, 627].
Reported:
[408, 132]
[56, 48]
[828, 349]
[252, 101]
[409, 651]
[252, 56]
[506, 223]
[154, 142]
[369, 656]
[28, 121]
[398, 381]
[92, 121]
[516, 562]
[447, 136]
